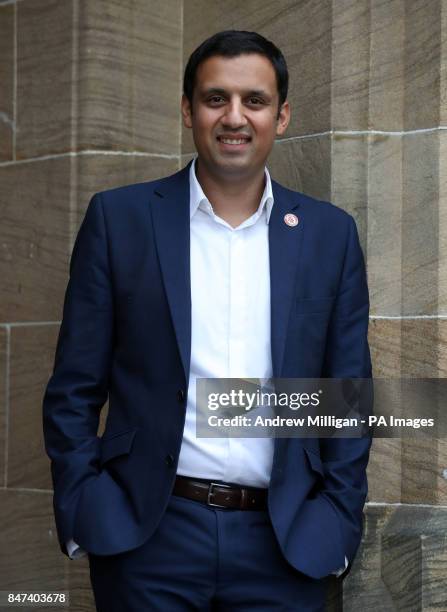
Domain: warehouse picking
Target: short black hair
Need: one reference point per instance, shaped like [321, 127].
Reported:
[231, 43]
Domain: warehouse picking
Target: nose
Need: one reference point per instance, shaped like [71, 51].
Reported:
[234, 116]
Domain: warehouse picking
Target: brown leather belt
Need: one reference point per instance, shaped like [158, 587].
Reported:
[221, 495]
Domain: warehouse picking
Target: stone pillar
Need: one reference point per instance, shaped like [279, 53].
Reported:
[89, 99]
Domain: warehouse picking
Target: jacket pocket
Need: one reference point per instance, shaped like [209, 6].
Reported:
[314, 305]
[116, 444]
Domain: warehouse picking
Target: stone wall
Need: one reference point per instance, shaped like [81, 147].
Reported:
[89, 98]
[89, 95]
[368, 132]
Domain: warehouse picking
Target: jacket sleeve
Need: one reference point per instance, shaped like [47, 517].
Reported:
[78, 387]
[347, 356]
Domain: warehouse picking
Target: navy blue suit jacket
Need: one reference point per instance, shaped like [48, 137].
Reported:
[126, 336]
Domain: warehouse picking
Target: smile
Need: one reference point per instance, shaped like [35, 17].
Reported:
[233, 142]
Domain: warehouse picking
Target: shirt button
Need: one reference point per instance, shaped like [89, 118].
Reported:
[170, 460]
[181, 395]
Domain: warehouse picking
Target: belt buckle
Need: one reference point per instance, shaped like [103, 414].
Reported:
[210, 493]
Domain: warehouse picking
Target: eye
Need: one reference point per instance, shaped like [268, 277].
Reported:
[215, 99]
[255, 101]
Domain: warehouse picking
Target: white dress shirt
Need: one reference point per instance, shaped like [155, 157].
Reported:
[230, 333]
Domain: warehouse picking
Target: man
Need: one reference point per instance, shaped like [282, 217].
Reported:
[215, 272]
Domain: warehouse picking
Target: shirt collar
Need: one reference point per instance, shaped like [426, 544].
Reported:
[196, 195]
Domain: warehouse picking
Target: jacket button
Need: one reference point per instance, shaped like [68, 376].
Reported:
[170, 460]
[181, 395]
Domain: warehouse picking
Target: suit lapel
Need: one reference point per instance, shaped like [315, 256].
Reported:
[171, 220]
[284, 247]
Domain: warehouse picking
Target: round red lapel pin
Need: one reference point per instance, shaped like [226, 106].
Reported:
[290, 219]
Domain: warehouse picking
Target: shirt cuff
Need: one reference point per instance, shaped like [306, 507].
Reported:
[342, 569]
[74, 550]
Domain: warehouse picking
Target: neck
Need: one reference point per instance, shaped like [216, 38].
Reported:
[233, 199]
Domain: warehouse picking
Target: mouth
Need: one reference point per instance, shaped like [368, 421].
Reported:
[233, 143]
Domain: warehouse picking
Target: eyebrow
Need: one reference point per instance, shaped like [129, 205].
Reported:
[222, 92]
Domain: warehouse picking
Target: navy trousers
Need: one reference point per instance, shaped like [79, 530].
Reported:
[207, 559]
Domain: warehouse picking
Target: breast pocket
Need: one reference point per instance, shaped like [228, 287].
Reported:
[313, 306]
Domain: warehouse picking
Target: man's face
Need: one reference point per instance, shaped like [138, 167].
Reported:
[234, 115]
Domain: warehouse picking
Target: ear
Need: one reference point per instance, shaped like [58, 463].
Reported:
[283, 119]
[186, 112]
